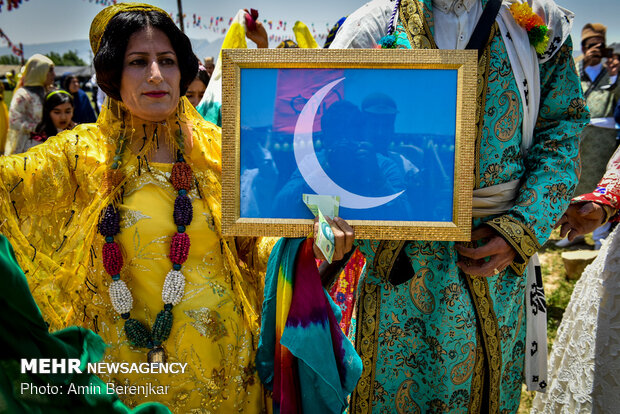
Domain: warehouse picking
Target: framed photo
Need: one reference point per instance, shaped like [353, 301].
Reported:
[391, 133]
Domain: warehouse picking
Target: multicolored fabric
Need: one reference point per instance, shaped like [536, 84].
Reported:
[303, 355]
[343, 293]
[431, 338]
[607, 191]
[25, 113]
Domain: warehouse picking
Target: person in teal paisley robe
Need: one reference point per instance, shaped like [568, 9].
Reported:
[441, 326]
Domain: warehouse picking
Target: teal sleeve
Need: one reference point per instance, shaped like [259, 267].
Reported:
[552, 162]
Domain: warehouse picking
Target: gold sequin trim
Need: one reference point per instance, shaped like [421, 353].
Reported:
[366, 345]
[477, 381]
[520, 237]
[386, 255]
[484, 63]
[483, 305]
[416, 26]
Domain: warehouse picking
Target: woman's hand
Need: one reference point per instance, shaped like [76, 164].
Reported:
[344, 235]
[581, 219]
[255, 31]
[496, 249]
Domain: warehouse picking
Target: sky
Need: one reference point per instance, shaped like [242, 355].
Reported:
[42, 21]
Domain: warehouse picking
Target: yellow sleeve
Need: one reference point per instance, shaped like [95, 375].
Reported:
[49, 205]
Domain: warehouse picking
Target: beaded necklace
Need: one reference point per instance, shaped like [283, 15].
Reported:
[174, 285]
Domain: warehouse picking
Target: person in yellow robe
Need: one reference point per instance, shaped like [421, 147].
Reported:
[51, 203]
[4, 119]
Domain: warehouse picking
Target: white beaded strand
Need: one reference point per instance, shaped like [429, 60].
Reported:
[120, 296]
[174, 287]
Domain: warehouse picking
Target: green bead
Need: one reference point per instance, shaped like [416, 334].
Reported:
[118, 158]
[137, 333]
[115, 165]
[162, 326]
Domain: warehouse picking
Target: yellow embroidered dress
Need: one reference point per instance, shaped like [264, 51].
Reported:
[52, 197]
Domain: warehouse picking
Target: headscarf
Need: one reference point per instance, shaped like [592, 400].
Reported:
[36, 69]
[101, 20]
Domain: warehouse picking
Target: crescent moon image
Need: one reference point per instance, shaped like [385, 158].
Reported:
[308, 163]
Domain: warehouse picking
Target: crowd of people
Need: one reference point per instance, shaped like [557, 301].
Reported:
[111, 229]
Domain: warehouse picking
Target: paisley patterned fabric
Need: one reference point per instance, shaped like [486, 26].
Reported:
[431, 338]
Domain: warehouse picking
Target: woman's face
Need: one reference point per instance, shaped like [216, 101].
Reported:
[150, 82]
[74, 85]
[61, 115]
[195, 91]
[51, 75]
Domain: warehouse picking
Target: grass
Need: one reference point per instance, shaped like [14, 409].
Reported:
[558, 291]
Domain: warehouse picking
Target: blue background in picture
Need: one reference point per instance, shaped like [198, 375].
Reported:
[375, 133]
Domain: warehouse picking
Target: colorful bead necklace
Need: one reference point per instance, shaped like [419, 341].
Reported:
[174, 285]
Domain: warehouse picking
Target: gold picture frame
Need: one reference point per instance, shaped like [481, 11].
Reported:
[458, 64]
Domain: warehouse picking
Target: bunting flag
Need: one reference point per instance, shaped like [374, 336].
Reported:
[15, 48]
[215, 24]
[11, 4]
[104, 3]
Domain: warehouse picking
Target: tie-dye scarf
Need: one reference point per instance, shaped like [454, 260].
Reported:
[303, 355]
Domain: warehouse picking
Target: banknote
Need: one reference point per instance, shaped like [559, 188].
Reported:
[325, 238]
[329, 205]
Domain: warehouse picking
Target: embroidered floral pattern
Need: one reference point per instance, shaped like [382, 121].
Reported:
[438, 317]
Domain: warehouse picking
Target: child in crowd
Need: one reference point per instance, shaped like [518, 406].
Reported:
[57, 115]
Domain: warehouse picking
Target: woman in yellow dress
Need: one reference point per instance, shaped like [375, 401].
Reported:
[4, 119]
[117, 226]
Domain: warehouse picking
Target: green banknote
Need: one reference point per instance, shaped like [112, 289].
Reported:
[329, 205]
[325, 239]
